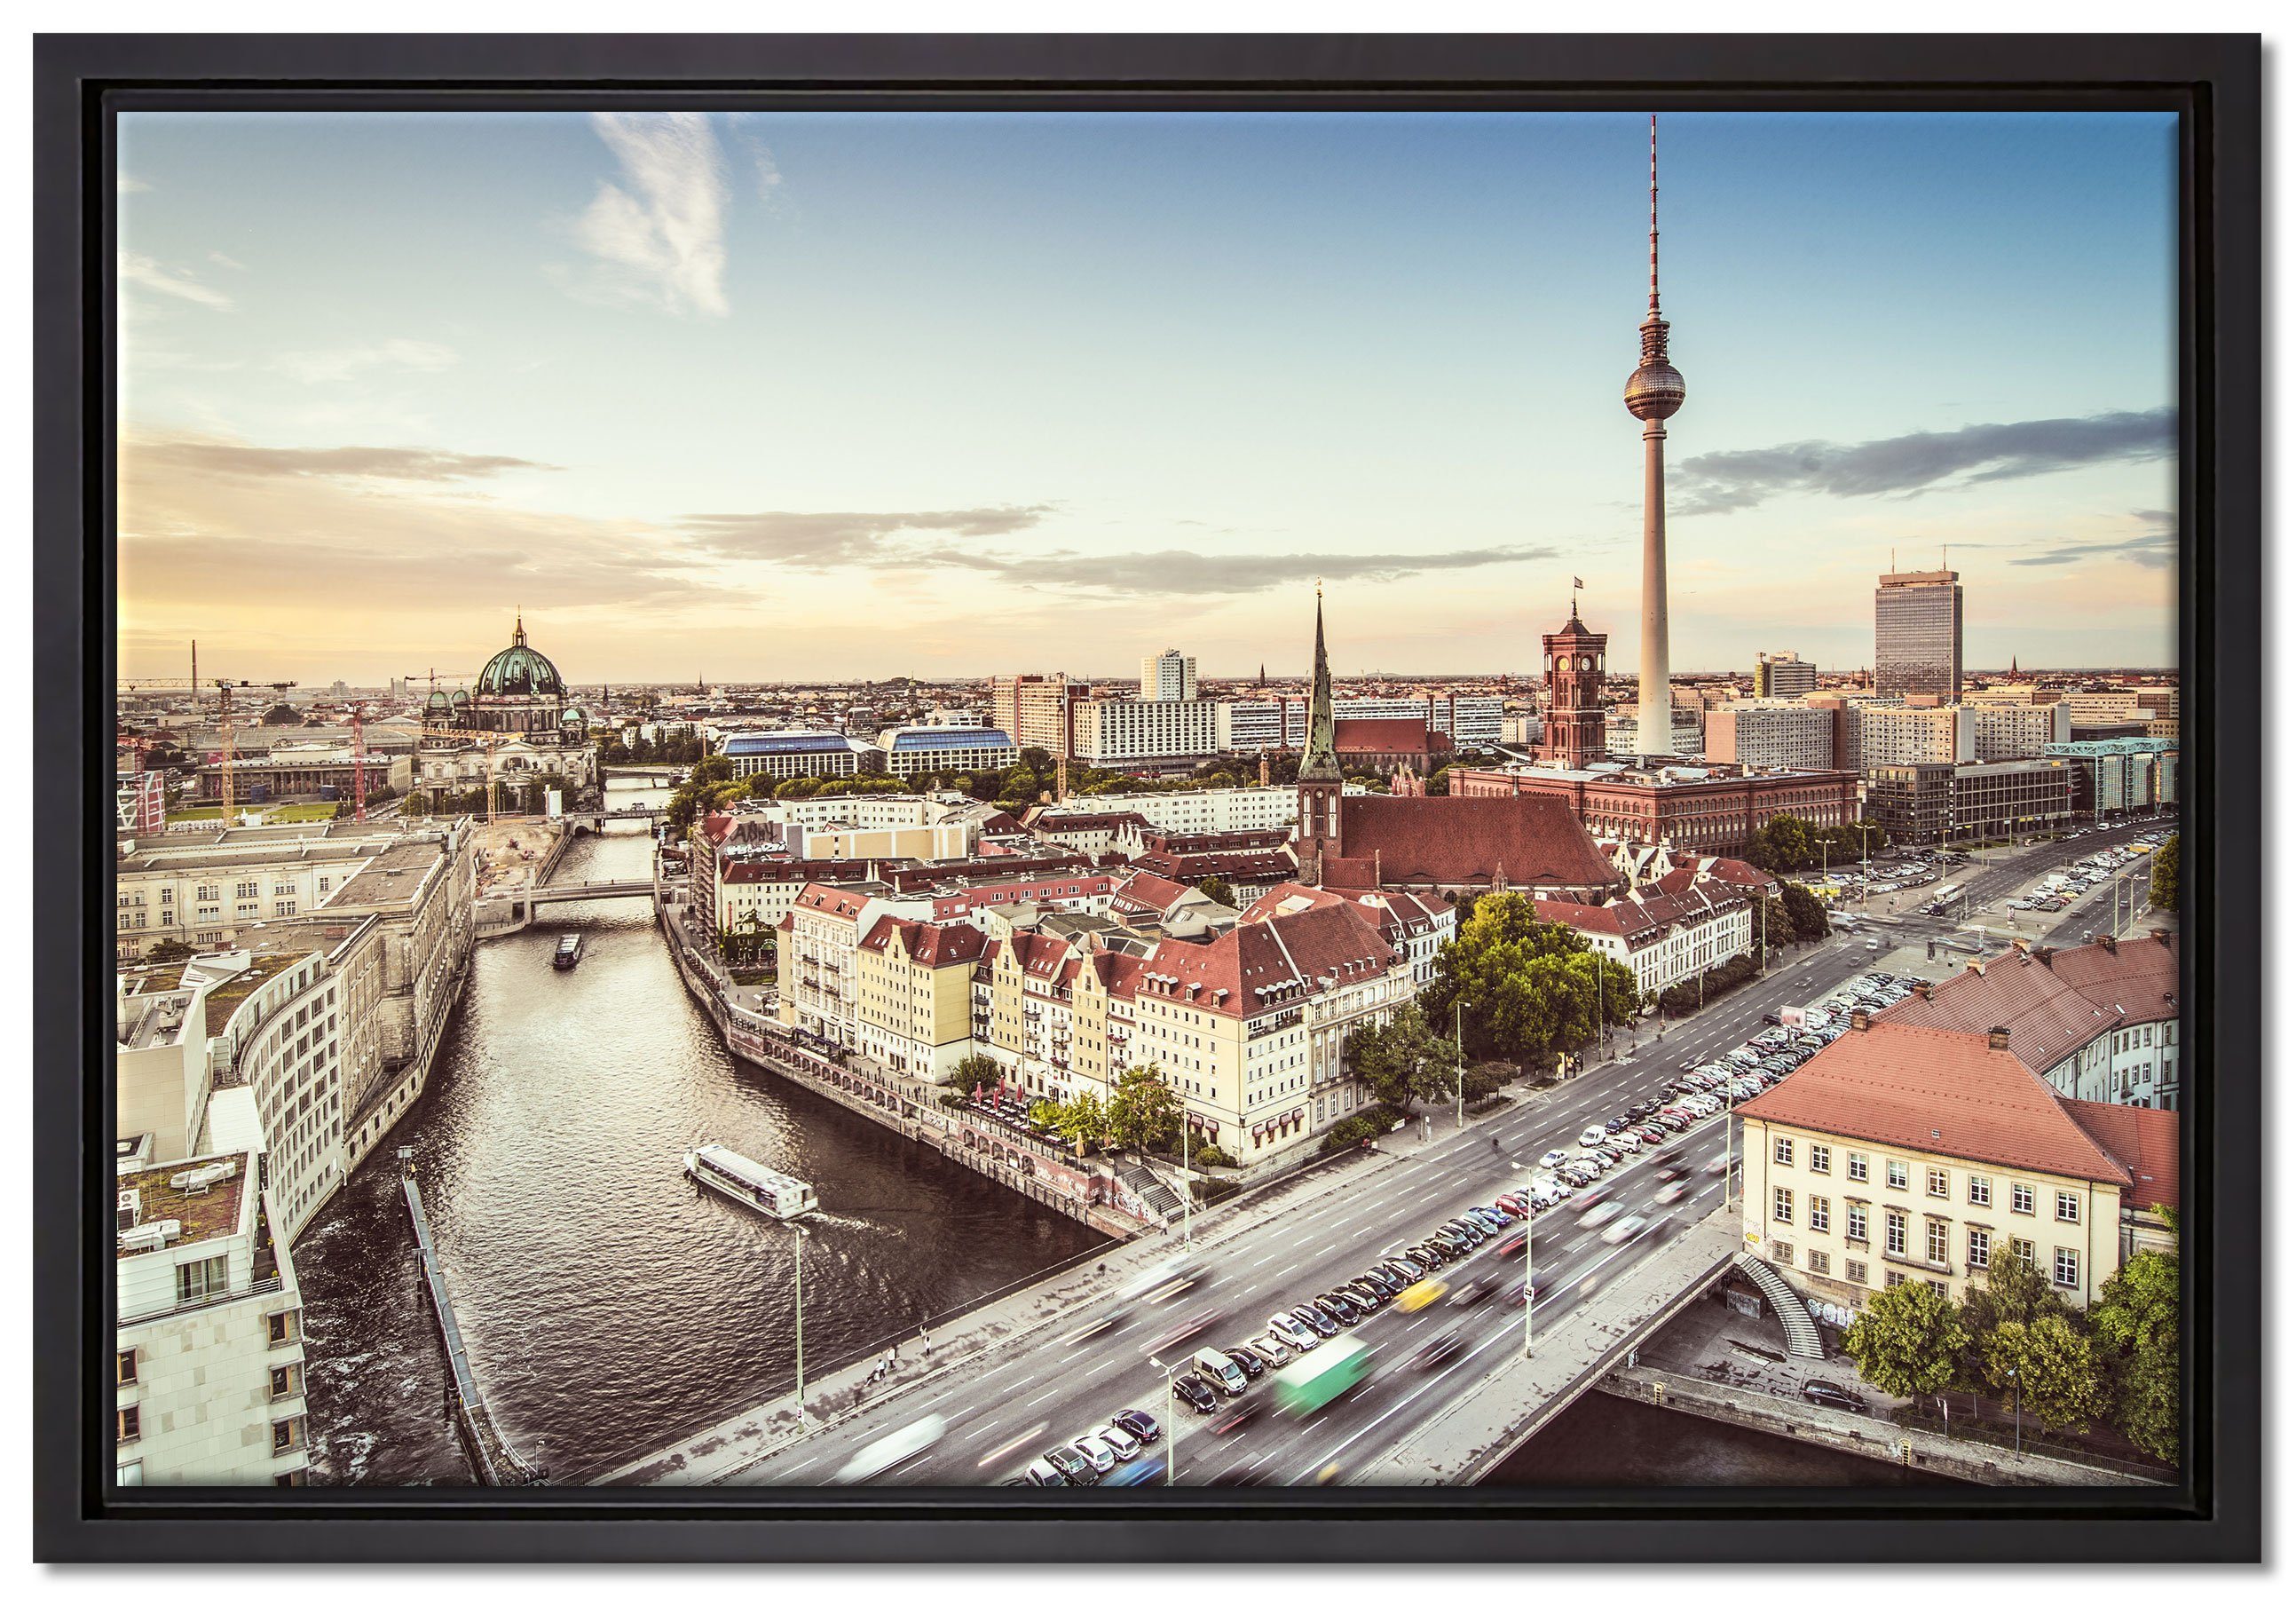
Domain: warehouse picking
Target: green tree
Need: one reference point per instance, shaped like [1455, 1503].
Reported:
[2167, 862]
[2013, 1291]
[2134, 1330]
[976, 1072]
[1044, 1115]
[1908, 1341]
[1217, 892]
[2054, 1370]
[1530, 989]
[168, 950]
[1803, 909]
[1784, 844]
[761, 785]
[797, 788]
[713, 768]
[1142, 1111]
[1085, 1118]
[1402, 1060]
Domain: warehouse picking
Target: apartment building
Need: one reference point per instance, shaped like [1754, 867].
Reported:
[913, 994]
[1773, 734]
[1900, 735]
[1145, 732]
[2018, 731]
[1662, 937]
[1170, 675]
[1039, 711]
[207, 1348]
[203, 888]
[1910, 1153]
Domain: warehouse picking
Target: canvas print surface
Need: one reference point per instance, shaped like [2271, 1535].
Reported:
[1086, 800]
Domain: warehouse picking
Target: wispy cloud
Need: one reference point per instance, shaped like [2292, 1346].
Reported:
[219, 458]
[2155, 547]
[1160, 572]
[221, 260]
[1917, 462]
[820, 539]
[151, 274]
[762, 167]
[341, 366]
[659, 234]
[131, 186]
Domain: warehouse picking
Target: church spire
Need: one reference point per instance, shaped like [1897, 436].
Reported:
[517, 629]
[1321, 760]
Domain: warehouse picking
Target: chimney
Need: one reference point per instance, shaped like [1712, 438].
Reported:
[2160, 934]
[1922, 990]
[1857, 1020]
[2045, 954]
[2106, 940]
[1996, 1037]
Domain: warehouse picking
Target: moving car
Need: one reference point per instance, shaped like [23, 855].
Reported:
[1243, 1412]
[1672, 1192]
[886, 1452]
[1440, 1351]
[1601, 1215]
[1626, 1229]
[1418, 1297]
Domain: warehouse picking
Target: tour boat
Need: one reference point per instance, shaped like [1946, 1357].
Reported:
[570, 951]
[760, 1187]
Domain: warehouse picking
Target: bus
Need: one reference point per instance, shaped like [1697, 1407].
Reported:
[1314, 1379]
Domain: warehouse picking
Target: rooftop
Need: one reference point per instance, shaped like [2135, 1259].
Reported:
[393, 875]
[226, 997]
[212, 1211]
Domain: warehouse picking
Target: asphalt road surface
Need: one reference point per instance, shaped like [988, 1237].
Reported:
[1002, 1412]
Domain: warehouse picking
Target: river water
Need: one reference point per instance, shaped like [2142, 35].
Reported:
[609, 1306]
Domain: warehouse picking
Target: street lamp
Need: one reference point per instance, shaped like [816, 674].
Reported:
[1531, 1215]
[2017, 1385]
[800, 1331]
[1170, 1466]
[1459, 1048]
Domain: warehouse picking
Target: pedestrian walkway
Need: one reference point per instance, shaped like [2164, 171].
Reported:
[1801, 1331]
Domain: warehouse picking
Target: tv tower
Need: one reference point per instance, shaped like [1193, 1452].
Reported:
[1654, 393]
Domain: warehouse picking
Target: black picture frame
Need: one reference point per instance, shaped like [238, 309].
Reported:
[2214, 81]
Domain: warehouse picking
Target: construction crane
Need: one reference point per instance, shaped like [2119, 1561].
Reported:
[222, 686]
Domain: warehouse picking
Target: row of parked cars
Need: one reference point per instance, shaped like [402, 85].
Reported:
[1110, 1454]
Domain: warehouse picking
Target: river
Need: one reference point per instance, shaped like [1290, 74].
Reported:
[610, 1306]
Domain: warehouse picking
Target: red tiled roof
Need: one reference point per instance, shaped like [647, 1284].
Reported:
[833, 900]
[2142, 1139]
[1146, 890]
[1444, 842]
[928, 943]
[2054, 1001]
[1266, 964]
[1929, 1091]
[1638, 921]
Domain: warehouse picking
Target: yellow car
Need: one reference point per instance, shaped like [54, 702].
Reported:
[1419, 1294]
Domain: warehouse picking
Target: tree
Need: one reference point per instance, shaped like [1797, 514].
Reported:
[1439, 782]
[1218, 891]
[2168, 860]
[2133, 1328]
[1532, 989]
[2053, 1369]
[1803, 909]
[283, 714]
[2013, 1291]
[977, 1073]
[1085, 1118]
[1044, 1115]
[797, 788]
[713, 768]
[1401, 1059]
[1142, 1111]
[761, 784]
[1907, 1340]
[170, 950]
[1784, 844]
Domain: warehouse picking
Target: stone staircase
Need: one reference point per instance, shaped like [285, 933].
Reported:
[1150, 1189]
[1802, 1340]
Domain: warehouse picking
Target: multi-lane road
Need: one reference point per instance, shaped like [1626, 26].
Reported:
[1076, 1371]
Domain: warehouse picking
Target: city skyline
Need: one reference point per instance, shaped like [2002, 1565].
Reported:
[646, 376]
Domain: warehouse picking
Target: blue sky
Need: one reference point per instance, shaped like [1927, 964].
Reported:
[854, 395]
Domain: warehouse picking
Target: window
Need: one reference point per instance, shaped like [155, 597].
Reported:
[1980, 1191]
[129, 1425]
[1820, 1263]
[1853, 1224]
[289, 1479]
[1781, 1152]
[1939, 1183]
[1893, 1231]
[285, 1327]
[201, 1279]
[2068, 1206]
[1897, 1174]
[2021, 1197]
[1782, 1206]
[2068, 1272]
[1857, 1166]
[123, 1366]
[2022, 1248]
[287, 1436]
[285, 1381]
[1854, 1271]
[1821, 1158]
[1821, 1214]
[1783, 1253]
[1891, 1278]
[1937, 1241]
[1980, 1247]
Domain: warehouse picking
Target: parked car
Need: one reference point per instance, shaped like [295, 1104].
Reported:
[1407, 1269]
[1372, 1287]
[1195, 1392]
[1138, 1422]
[1076, 1467]
[1042, 1474]
[1103, 1456]
[1554, 1157]
[1274, 1350]
[1832, 1395]
[1338, 1307]
[1292, 1331]
[1252, 1366]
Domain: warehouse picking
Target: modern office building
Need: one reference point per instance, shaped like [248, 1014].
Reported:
[1893, 734]
[1784, 675]
[2113, 776]
[1917, 634]
[1686, 733]
[1039, 711]
[907, 751]
[1468, 721]
[1170, 675]
[1145, 733]
[793, 751]
[1779, 734]
[1929, 801]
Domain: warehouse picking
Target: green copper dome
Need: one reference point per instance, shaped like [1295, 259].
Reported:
[519, 670]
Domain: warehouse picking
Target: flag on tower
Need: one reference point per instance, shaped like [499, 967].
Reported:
[1578, 582]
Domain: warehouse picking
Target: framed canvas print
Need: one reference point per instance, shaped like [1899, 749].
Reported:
[1040, 798]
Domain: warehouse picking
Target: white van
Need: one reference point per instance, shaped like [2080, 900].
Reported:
[1217, 1369]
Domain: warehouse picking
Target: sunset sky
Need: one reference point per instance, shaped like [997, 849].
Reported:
[855, 395]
